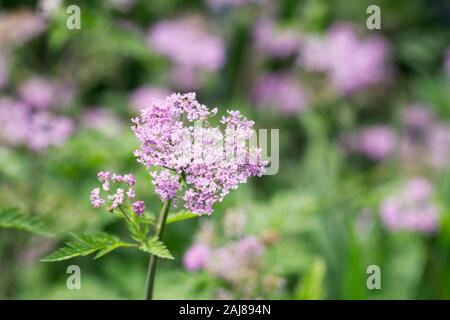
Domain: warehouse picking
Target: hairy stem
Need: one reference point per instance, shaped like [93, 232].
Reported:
[154, 259]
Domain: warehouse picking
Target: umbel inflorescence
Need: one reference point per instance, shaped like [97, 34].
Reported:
[191, 160]
[188, 158]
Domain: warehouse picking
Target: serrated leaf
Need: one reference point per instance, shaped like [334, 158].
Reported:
[14, 219]
[156, 247]
[137, 233]
[86, 244]
[180, 216]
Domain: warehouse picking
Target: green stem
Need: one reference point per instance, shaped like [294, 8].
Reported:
[126, 216]
[154, 259]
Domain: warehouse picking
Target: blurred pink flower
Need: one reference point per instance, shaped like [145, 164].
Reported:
[185, 77]
[13, 121]
[376, 142]
[280, 91]
[196, 257]
[42, 93]
[417, 116]
[425, 141]
[313, 55]
[19, 26]
[141, 97]
[48, 130]
[355, 64]
[36, 129]
[237, 260]
[250, 245]
[49, 8]
[188, 44]
[447, 61]
[351, 64]
[38, 92]
[275, 41]
[411, 208]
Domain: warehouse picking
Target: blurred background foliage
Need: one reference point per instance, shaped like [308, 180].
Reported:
[320, 218]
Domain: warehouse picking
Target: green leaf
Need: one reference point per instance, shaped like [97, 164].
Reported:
[137, 233]
[85, 244]
[180, 216]
[13, 218]
[156, 247]
[312, 286]
[147, 220]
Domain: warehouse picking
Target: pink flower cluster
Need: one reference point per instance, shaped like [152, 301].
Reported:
[18, 26]
[175, 135]
[190, 48]
[236, 260]
[350, 63]
[41, 93]
[412, 208]
[426, 140]
[225, 262]
[119, 189]
[23, 124]
[447, 61]
[376, 142]
[280, 92]
[275, 41]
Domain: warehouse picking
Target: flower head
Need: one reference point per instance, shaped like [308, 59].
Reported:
[206, 162]
[118, 189]
[138, 207]
[411, 208]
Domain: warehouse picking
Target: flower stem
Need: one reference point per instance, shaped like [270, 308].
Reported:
[154, 259]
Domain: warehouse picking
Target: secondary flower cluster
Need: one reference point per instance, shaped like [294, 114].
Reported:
[412, 208]
[119, 189]
[190, 48]
[34, 127]
[447, 61]
[175, 136]
[424, 140]
[238, 262]
[351, 64]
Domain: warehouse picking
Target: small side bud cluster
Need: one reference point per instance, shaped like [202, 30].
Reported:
[118, 189]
